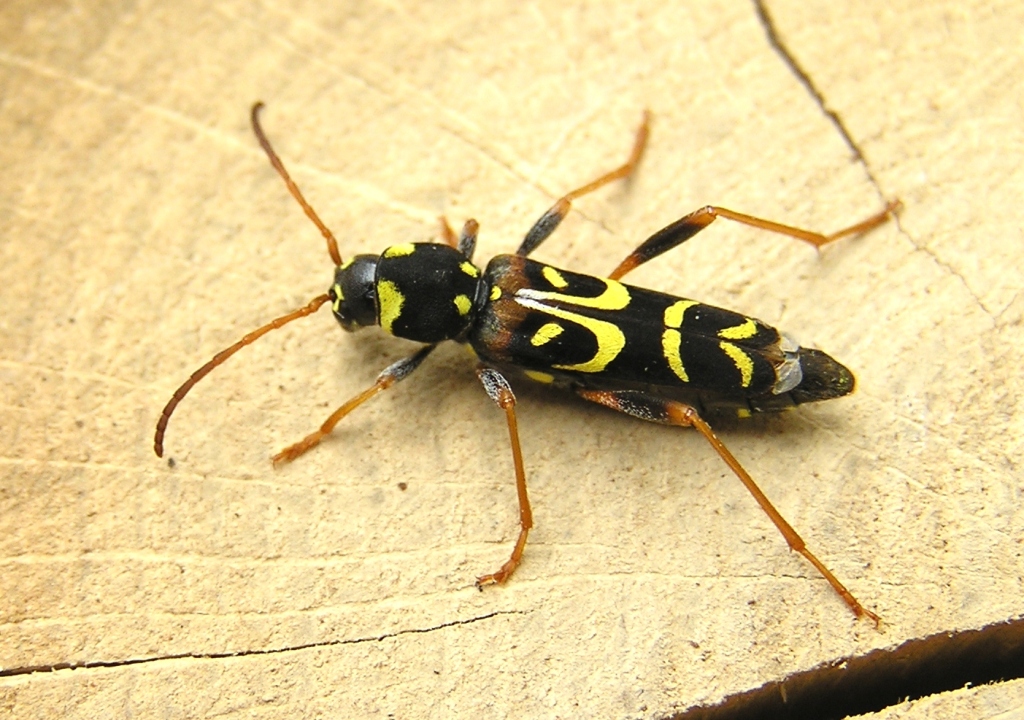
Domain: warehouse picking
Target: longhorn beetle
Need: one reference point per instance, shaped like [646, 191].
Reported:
[644, 353]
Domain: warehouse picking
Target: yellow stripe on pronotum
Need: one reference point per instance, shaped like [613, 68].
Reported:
[390, 300]
[400, 250]
[463, 304]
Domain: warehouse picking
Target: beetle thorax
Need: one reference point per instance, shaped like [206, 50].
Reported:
[419, 291]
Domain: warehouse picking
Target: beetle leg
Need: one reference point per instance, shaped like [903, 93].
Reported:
[389, 376]
[465, 243]
[498, 390]
[447, 233]
[550, 220]
[467, 238]
[685, 228]
[649, 407]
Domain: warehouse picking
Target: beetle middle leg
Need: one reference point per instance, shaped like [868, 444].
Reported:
[500, 392]
[649, 407]
[551, 219]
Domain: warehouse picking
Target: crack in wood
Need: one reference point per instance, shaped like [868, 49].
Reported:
[882, 678]
[29, 669]
[775, 40]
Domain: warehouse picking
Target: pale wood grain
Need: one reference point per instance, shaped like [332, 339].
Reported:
[142, 230]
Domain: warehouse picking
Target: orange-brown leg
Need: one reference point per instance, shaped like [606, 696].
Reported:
[550, 220]
[648, 407]
[682, 230]
[389, 376]
[465, 243]
[498, 390]
[447, 233]
[467, 238]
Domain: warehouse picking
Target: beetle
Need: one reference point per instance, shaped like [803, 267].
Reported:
[647, 354]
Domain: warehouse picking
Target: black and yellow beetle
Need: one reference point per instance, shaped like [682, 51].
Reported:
[647, 354]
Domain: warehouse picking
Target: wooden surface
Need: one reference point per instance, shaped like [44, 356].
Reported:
[141, 230]
[990, 702]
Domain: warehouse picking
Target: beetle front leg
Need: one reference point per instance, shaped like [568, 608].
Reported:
[393, 373]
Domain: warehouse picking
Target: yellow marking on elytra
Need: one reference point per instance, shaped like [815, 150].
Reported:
[390, 300]
[495, 292]
[670, 342]
[615, 296]
[554, 277]
[610, 340]
[671, 339]
[747, 329]
[338, 297]
[463, 304]
[742, 413]
[546, 333]
[469, 268]
[674, 313]
[743, 362]
[400, 250]
[541, 377]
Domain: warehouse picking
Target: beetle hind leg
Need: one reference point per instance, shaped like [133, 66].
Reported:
[686, 227]
[649, 407]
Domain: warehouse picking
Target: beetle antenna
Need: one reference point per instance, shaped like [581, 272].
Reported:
[161, 426]
[332, 243]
